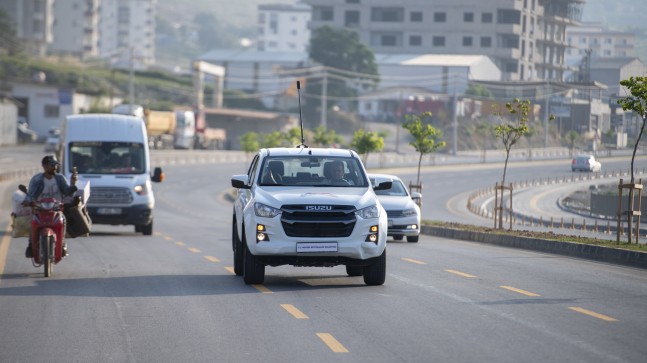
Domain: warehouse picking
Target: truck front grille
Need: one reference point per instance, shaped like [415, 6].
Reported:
[320, 221]
[110, 196]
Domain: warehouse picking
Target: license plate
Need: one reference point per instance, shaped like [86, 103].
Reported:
[108, 210]
[305, 247]
[390, 222]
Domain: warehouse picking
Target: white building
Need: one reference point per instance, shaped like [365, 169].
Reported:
[33, 20]
[525, 38]
[76, 28]
[283, 28]
[127, 32]
[602, 43]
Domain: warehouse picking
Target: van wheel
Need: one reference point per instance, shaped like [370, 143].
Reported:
[412, 239]
[398, 237]
[375, 274]
[253, 271]
[147, 230]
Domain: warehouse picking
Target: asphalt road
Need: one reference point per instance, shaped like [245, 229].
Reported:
[171, 297]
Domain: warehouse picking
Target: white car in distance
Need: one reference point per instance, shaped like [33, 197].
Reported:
[308, 207]
[402, 211]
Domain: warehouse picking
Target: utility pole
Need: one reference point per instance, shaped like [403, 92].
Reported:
[398, 123]
[546, 113]
[324, 95]
[455, 121]
[131, 81]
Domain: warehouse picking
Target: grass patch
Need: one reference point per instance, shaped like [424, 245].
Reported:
[543, 235]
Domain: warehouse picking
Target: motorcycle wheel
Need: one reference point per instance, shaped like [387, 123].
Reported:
[46, 252]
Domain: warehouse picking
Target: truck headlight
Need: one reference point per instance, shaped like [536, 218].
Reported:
[266, 211]
[369, 212]
[141, 189]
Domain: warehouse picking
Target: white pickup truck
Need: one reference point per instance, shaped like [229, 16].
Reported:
[308, 207]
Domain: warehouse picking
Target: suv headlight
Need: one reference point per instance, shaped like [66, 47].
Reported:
[263, 210]
[369, 212]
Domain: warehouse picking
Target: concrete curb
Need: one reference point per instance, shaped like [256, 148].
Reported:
[579, 250]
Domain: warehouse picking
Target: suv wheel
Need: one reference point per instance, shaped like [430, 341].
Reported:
[354, 270]
[253, 271]
[237, 247]
[375, 274]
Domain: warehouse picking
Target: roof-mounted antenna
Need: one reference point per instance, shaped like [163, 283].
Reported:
[302, 144]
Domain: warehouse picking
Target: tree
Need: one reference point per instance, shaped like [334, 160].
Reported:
[339, 49]
[249, 142]
[426, 138]
[510, 131]
[273, 139]
[637, 103]
[571, 137]
[366, 142]
[325, 138]
[478, 90]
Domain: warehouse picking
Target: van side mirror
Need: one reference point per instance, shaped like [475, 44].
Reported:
[158, 175]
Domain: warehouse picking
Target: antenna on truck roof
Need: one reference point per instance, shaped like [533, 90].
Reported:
[302, 144]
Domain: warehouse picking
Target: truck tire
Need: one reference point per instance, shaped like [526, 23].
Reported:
[375, 274]
[253, 271]
[412, 239]
[147, 230]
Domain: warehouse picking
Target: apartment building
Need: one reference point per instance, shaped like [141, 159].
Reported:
[600, 41]
[283, 28]
[127, 32]
[76, 28]
[525, 38]
[33, 20]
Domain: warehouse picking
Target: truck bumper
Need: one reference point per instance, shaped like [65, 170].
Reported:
[139, 214]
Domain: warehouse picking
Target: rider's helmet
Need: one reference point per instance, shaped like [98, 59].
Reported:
[49, 160]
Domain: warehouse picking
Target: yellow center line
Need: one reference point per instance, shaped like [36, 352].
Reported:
[523, 292]
[413, 261]
[168, 238]
[194, 250]
[4, 249]
[460, 273]
[157, 234]
[212, 259]
[263, 289]
[592, 313]
[332, 343]
[294, 311]
[180, 243]
[230, 269]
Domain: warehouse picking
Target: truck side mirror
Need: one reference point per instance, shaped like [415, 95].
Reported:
[158, 175]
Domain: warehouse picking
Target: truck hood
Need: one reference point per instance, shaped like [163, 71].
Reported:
[111, 180]
[279, 196]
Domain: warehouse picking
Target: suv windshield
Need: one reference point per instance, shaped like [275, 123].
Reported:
[96, 157]
[311, 171]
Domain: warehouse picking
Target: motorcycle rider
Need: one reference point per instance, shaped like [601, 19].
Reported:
[49, 184]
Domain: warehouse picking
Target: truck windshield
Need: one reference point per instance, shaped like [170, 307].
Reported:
[96, 157]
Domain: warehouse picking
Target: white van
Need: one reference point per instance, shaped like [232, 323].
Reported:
[111, 152]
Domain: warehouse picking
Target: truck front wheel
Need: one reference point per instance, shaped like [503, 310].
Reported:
[375, 274]
[253, 271]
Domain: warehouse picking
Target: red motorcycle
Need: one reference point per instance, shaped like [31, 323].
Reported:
[47, 232]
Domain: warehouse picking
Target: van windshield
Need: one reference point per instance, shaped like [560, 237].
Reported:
[97, 157]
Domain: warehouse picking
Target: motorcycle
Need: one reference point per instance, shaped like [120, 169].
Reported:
[47, 232]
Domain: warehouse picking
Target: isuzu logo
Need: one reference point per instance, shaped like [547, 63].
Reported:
[318, 207]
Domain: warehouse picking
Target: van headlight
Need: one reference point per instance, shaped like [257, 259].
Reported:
[369, 212]
[266, 211]
[142, 189]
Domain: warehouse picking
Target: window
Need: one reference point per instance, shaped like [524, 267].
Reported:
[351, 18]
[467, 41]
[387, 15]
[415, 16]
[486, 18]
[438, 41]
[440, 17]
[352, 1]
[468, 17]
[51, 111]
[508, 16]
[274, 26]
[322, 13]
[388, 40]
[415, 40]
[486, 42]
